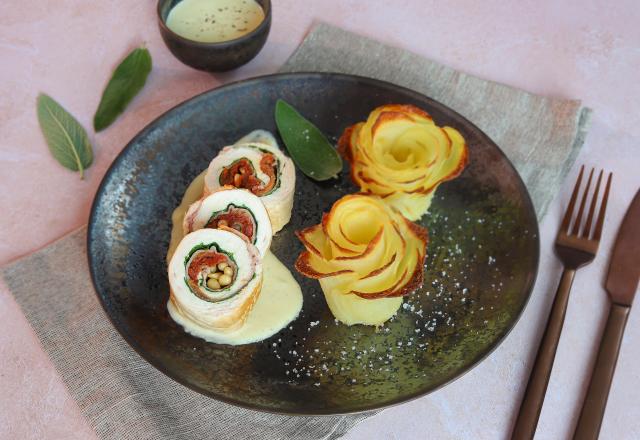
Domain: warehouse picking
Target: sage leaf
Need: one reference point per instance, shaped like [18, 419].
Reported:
[66, 138]
[125, 83]
[307, 146]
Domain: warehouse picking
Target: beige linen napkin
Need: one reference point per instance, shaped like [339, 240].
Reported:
[123, 397]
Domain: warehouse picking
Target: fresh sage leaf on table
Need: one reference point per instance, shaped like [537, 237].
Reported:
[66, 138]
[125, 83]
[308, 147]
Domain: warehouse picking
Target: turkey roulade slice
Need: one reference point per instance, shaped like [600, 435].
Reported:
[260, 168]
[235, 208]
[215, 277]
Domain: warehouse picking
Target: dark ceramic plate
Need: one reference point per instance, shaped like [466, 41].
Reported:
[481, 264]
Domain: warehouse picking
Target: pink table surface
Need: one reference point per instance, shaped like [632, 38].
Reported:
[574, 49]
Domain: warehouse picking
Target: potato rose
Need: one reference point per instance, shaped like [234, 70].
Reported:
[401, 155]
[366, 256]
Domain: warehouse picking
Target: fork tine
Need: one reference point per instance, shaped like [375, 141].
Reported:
[603, 209]
[567, 216]
[586, 231]
[576, 225]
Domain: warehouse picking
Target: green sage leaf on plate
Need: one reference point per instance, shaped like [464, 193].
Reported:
[125, 83]
[66, 138]
[307, 146]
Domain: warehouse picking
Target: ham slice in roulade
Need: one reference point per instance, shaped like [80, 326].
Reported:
[260, 168]
[215, 277]
[235, 208]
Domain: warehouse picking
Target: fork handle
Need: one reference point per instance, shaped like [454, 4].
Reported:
[595, 401]
[531, 405]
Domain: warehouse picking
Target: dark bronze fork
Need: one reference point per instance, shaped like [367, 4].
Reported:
[575, 246]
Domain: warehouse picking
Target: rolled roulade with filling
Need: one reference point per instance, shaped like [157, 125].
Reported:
[235, 208]
[260, 168]
[215, 277]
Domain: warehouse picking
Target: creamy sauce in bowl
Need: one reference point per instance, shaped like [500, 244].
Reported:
[214, 21]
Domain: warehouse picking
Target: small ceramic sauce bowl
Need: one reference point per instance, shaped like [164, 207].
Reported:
[214, 57]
